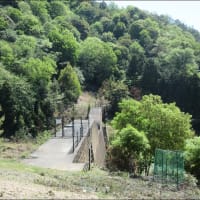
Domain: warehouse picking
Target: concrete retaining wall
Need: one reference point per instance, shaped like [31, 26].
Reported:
[95, 138]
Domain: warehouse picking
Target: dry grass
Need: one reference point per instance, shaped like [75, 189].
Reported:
[85, 101]
[18, 180]
[16, 150]
[21, 181]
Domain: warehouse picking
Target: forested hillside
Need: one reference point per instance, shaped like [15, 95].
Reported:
[51, 50]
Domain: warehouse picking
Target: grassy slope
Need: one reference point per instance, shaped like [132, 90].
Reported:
[18, 180]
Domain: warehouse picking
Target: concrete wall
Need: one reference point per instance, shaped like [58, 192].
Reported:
[82, 151]
[95, 138]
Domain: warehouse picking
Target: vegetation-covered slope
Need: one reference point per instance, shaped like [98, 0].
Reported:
[51, 49]
[19, 181]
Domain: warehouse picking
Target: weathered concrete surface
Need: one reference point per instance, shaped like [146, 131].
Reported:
[98, 145]
[95, 138]
[56, 152]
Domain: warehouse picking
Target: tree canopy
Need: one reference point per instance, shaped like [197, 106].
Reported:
[142, 126]
[165, 126]
[96, 59]
[39, 40]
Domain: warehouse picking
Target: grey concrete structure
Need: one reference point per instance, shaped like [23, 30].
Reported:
[57, 152]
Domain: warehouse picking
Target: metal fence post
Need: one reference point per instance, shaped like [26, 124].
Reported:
[81, 122]
[162, 166]
[81, 129]
[73, 132]
[89, 126]
[89, 158]
[166, 168]
[63, 126]
[177, 178]
[55, 128]
[77, 138]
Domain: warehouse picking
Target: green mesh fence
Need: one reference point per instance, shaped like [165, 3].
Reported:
[169, 166]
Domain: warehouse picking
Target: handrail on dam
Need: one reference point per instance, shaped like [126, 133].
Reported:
[93, 146]
[87, 137]
[57, 152]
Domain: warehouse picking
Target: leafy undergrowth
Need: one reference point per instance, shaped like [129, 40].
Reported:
[20, 181]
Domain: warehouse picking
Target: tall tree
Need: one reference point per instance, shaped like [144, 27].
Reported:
[16, 100]
[69, 84]
[96, 59]
[65, 44]
[164, 124]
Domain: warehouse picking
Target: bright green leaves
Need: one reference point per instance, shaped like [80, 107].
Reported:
[57, 8]
[39, 9]
[25, 46]
[142, 126]
[3, 23]
[182, 62]
[96, 59]
[69, 84]
[129, 145]
[30, 25]
[192, 156]
[132, 141]
[150, 53]
[147, 24]
[6, 53]
[65, 44]
[164, 124]
[14, 13]
[39, 69]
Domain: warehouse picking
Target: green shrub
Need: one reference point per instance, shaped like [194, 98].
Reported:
[130, 146]
[43, 137]
[192, 156]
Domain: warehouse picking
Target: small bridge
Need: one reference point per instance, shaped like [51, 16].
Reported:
[74, 147]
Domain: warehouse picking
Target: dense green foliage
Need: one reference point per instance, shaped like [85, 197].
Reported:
[150, 53]
[133, 146]
[113, 92]
[16, 101]
[96, 59]
[163, 125]
[34, 52]
[192, 155]
[69, 84]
